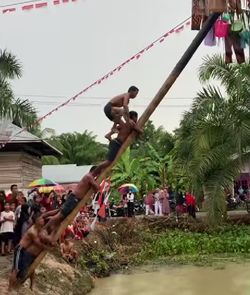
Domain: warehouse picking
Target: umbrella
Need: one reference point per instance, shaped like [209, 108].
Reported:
[42, 182]
[47, 189]
[128, 187]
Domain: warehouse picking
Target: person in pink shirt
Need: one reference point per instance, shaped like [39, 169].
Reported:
[165, 202]
[149, 203]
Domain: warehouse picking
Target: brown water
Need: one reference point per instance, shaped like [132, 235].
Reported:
[233, 279]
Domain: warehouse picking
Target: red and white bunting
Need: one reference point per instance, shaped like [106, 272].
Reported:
[136, 56]
[29, 7]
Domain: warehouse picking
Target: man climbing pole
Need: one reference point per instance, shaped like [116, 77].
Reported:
[117, 108]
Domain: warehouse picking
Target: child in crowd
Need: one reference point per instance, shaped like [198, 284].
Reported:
[117, 108]
[67, 250]
[7, 219]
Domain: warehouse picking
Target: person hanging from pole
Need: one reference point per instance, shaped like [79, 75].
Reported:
[87, 182]
[117, 108]
[124, 129]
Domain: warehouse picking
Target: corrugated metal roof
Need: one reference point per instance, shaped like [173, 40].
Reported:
[12, 134]
[69, 173]
[9, 130]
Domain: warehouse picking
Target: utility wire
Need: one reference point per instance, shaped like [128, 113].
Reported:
[20, 3]
[92, 97]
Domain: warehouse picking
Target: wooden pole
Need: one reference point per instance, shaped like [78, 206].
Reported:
[143, 119]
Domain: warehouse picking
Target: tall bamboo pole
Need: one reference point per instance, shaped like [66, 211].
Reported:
[143, 119]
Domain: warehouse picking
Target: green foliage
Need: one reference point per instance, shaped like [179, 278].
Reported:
[77, 148]
[213, 141]
[158, 138]
[21, 112]
[134, 170]
[176, 242]
[147, 163]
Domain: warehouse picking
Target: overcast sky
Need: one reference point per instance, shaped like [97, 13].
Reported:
[63, 49]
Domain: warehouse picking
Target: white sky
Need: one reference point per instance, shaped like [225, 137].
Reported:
[63, 49]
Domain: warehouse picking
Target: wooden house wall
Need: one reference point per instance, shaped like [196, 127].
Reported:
[18, 168]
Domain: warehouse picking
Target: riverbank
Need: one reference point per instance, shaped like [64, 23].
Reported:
[122, 245]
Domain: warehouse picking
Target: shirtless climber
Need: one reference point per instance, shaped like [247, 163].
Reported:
[117, 108]
[86, 183]
[124, 129]
[28, 249]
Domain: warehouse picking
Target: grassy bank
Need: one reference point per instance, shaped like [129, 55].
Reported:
[121, 245]
[124, 244]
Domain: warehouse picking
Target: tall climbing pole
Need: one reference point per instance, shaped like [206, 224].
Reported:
[143, 119]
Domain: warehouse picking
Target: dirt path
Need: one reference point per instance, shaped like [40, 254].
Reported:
[5, 266]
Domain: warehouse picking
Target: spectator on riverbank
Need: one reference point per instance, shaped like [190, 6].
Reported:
[7, 219]
[180, 203]
[158, 204]
[12, 197]
[67, 250]
[165, 202]
[191, 204]
[2, 200]
[130, 199]
[149, 203]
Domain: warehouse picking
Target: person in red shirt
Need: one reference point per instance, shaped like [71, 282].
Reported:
[191, 204]
[12, 197]
[2, 200]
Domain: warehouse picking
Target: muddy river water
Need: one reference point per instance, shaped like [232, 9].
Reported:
[232, 279]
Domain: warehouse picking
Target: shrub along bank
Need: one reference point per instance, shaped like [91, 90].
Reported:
[123, 244]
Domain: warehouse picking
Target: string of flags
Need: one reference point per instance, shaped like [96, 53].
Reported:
[29, 6]
[176, 30]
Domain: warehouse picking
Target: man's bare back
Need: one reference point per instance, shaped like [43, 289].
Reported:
[29, 241]
[84, 185]
[120, 100]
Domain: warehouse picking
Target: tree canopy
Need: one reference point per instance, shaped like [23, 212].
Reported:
[213, 140]
[20, 111]
[77, 148]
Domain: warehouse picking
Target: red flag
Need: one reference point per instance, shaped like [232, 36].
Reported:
[56, 2]
[9, 10]
[102, 187]
[150, 46]
[65, 1]
[102, 211]
[40, 5]
[28, 7]
[179, 29]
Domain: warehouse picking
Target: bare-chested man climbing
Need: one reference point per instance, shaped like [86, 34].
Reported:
[28, 249]
[117, 108]
[86, 183]
[124, 129]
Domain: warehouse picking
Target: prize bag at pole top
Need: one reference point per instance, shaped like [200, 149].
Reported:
[210, 39]
[217, 5]
[221, 28]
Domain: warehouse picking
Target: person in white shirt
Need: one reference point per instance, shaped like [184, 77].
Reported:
[158, 204]
[7, 219]
[130, 199]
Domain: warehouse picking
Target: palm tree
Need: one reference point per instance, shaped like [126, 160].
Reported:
[214, 138]
[80, 149]
[21, 112]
